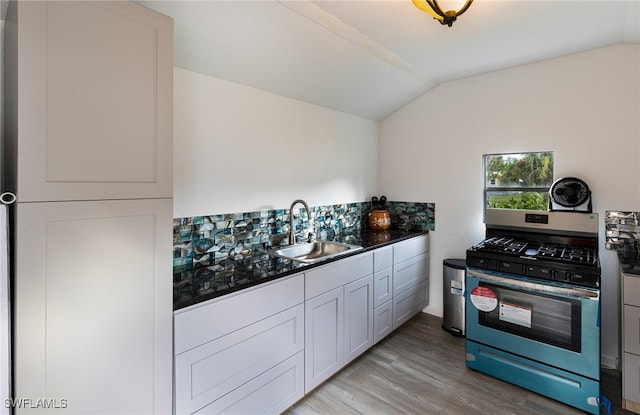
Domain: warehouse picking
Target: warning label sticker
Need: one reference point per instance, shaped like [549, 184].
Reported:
[456, 287]
[484, 299]
[515, 314]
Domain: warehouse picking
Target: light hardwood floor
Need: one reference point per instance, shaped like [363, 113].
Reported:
[420, 369]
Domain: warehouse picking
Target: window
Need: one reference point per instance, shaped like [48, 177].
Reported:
[518, 180]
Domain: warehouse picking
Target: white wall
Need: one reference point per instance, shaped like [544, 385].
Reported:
[584, 107]
[240, 149]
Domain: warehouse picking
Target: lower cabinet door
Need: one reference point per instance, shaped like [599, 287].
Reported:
[631, 378]
[93, 305]
[382, 321]
[631, 326]
[324, 329]
[358, 317]
[270, 393]
[409, 303]
[382, 286]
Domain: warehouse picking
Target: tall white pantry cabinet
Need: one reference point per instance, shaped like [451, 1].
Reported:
[88, 151]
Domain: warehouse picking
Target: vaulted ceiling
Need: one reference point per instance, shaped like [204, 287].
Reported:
[371, 57]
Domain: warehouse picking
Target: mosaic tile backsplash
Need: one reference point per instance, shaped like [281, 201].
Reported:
[238, 235]
[622, 230]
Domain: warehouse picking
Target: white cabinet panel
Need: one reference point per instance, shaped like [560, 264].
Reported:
[410, 272]
[382, 258]
[409, 303]
[324, 330]
[358, 317]
[631, 378]
[405, 250]
[94, 96]
[382, 321]
[196, 325]
[93, 305]
[208, 372]
[270, 393]
[631, 326]
[337, 274]
[631, 293]
[383, 286]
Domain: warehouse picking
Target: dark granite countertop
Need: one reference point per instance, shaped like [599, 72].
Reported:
[205, 280]
[629, 262]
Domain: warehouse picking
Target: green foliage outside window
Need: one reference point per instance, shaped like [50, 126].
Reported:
[518, 181]
[529, 200]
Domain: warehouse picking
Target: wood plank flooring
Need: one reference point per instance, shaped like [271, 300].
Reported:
[420, 369]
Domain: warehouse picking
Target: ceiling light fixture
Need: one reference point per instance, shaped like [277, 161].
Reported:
[433, 8]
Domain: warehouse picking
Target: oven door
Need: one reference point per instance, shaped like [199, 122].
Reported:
[548, 322]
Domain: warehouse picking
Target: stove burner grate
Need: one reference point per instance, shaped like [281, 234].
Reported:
[502, 244]
[546, 250]
[579, 255]
[550, 251]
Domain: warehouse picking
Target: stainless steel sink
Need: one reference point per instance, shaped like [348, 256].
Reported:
[311, 252]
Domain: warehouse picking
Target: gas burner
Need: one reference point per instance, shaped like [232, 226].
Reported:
[501, 244]
[515, 247]
[496, 243]
[550, 251]
[578, 254]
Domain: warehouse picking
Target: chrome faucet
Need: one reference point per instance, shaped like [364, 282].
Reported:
[292, 232]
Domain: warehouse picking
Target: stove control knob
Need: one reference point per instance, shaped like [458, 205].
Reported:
[547, 272]
[575, 277]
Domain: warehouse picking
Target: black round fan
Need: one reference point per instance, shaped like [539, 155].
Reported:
[570, 192]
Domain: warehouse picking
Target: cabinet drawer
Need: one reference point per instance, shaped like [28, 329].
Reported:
[270, 393]
[410, 303]
[631, 326]
[631, 289]
[409, 273]
[410, 248]
[194, 326]
[382, 258]
[337, 274]
[212, 370]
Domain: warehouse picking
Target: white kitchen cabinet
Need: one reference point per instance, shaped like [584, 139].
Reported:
[242, 353]
[93, 305]
[270, 393]
[324, 331]
[631, 342]
[327, 323]
[358, 317]
[88, 150]
[382, 321]
[410, 272]
[383, 292]
[383, 275]
[410, 278]
[409, 303]
[92, 86]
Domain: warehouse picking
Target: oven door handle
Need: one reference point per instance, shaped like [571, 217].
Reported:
[576, 292]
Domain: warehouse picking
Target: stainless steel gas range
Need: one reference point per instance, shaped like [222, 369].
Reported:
[533, 304]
